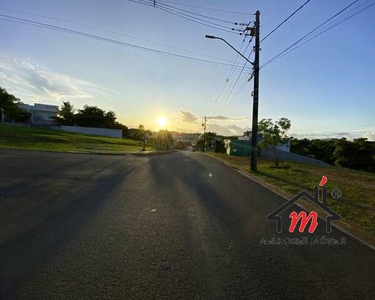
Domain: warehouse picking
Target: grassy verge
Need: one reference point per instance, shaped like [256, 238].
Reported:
[54, 140]
[357, 205]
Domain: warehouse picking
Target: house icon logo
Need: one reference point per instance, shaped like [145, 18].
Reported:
[305, 218]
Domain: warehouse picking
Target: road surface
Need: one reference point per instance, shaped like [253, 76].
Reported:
[175, 226]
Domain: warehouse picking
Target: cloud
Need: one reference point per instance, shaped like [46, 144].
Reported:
[223, 118]
[350, 135]
[187, 116]
[227, 130]
[370, 136]
[29, 81]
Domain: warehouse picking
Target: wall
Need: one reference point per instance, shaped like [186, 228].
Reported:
[115, 133]
[293, 157]
[18, 124]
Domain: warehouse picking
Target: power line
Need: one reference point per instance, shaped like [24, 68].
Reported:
[225, 107]
[331, 26]
[208, 8]
[238, 93]
[175, 11]
[309, 33]
[197, 14]
[187, 17]
[229, 74]
[278, 26]
[238, 77]
[120, 43]
[235, 63]
[110, 31]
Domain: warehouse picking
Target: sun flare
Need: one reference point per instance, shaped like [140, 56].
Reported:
[161, 121]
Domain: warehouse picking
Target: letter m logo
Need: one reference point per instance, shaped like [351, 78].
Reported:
[313, 216]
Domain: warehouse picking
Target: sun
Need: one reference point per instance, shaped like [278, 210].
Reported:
[161, 121]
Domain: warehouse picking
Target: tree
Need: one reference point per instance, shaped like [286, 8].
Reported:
[274, 133]
[9, 104]
[180, 145]
[164, 140]
[65, 115]
[142, 134]
[358, 154]
[92, 116]
[20, 115]
[210, 136]
[125, 129]
[247, 133]
[199, 145]
[318, 148]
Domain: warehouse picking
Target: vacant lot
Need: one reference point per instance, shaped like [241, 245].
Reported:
[55, 140]
[357, 205]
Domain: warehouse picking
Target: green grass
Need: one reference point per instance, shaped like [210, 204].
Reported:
[357, 205]
[54, 140]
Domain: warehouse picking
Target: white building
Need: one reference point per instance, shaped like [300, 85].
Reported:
[41, 113]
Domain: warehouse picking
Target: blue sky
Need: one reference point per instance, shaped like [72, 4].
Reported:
[324, 87]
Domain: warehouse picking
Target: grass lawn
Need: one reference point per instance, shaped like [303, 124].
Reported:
[55, 140]
[357, 205]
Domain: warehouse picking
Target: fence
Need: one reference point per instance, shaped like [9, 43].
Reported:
[115, 133]
[293, 157]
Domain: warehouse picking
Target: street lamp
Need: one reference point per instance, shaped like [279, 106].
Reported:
[219, 38]
[255, 64]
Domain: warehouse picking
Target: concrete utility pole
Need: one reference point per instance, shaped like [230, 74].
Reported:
[254, 31]
[204, 134]
[254, 132]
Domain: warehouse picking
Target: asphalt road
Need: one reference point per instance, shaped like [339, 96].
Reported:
[85, 227]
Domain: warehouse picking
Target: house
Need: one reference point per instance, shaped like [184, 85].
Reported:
[241, 146]
[41, 113]
[238, 147]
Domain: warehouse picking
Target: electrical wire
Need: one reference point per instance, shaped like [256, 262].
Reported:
[188, 17]
[331, 26]
[309, 33]
[197, 14]
[283, 22]
[110, 31]
[225, 108]
[229, 74]
[208, 8]
[175, 11]
[104, 39]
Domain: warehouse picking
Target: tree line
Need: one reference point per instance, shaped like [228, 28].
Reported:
[358, 154]
[11, 110]
[88, 116]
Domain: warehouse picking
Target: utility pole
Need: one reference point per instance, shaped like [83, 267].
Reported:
[204, 134]
[254, 132]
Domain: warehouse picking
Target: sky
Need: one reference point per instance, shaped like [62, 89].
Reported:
[325, 87]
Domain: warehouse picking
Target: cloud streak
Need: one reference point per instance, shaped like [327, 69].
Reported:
[223, 118]
[29, 81]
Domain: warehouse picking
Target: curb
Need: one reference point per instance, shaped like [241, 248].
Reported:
[340, 225]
